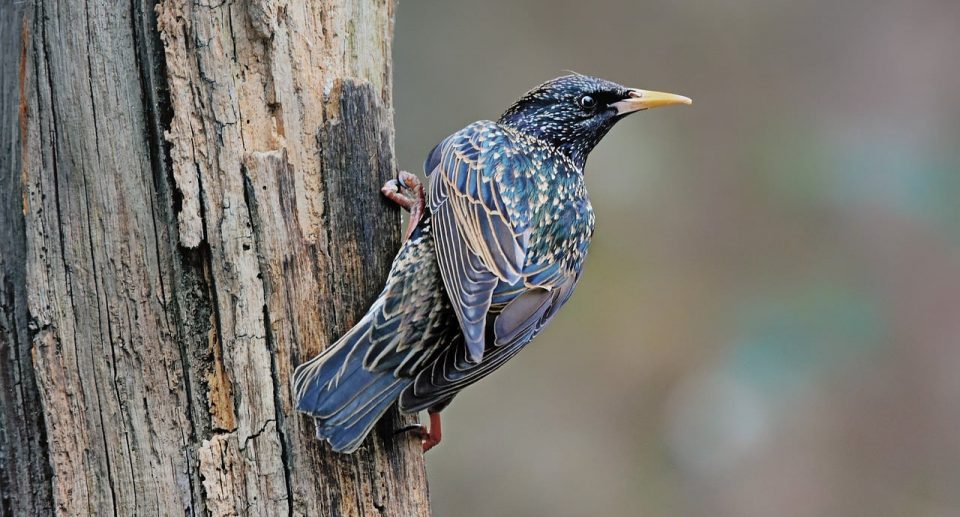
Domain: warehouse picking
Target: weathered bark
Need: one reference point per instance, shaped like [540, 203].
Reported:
[24, 467]
[189, 207]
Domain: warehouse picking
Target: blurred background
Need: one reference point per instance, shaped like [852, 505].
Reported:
[769, 321]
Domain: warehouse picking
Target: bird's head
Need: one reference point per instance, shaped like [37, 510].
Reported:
[573, 112]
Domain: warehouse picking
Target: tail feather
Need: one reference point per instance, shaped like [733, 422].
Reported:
[346, 399]
[347, 435]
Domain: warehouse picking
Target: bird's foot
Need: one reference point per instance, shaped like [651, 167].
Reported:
[414, 202]
[428, 437]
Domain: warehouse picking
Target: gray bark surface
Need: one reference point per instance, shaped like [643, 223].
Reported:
[189, 207]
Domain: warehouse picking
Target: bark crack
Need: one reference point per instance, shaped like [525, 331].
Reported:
[250, 200]
[187, 274]
[96, 278]
[256, 434]
[58, 186]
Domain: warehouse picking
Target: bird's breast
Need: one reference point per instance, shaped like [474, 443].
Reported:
[560, 238]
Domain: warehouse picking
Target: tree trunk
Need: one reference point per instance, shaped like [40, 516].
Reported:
[189, 207]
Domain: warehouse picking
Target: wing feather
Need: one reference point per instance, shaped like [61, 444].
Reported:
[519, 322]
[478, 245]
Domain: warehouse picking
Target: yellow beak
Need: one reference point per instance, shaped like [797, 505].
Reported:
[646, 99]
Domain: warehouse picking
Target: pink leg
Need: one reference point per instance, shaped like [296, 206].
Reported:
[434, 434]
[414, 203]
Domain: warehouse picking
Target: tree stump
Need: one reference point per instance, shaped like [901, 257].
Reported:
[190, 207]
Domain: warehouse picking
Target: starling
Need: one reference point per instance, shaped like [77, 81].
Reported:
[494, 249]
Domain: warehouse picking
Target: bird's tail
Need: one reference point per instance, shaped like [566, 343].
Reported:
[346, 399]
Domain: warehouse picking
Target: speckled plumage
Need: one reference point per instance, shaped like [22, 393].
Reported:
[498, 252]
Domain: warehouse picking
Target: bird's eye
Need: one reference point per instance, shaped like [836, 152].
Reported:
[587, 102]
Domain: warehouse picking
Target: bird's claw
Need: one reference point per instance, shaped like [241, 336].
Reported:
[428, 437]
[416, 429]
[420, 432]
[404, 181]
[409, 180]
[413, 202]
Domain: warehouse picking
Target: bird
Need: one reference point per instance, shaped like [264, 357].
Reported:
[495, 247]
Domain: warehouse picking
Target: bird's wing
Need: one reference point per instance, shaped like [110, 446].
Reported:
[478, 245]
[519, 322]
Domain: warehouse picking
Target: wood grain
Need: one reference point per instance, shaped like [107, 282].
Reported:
[191, 197]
